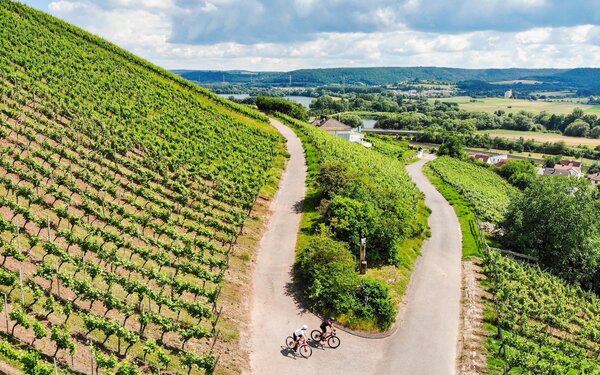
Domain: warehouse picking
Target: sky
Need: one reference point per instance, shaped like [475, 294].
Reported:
[282, 35]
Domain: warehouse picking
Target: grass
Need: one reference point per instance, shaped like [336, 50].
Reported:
[464, 212]
[542, 137]
[516, 105]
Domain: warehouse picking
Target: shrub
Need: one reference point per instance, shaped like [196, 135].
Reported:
[270, 104]
[326, 270]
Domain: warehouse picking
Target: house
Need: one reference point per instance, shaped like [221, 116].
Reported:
[594, 178]
[508, 94]
[335, 127]
[496, 160]
[565, 168]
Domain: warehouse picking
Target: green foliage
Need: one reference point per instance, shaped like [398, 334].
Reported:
[578, 128]
[548, 326]
[351, 120]
[557, 219]
[327, 272]
[519, 173]
[452, 147]
[487, 192]
[595, 132]
[287, 107]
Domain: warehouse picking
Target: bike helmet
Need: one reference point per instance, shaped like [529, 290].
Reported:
[332, 319]
[304, 327]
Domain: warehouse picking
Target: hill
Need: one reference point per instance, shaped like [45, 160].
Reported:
[123, 189]
[366, 76]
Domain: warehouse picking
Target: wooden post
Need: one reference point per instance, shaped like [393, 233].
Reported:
[363, 256]
[57, 282]
[21, 285]
[48, 222]
[55, 367]
[6, 312]
[91, 357]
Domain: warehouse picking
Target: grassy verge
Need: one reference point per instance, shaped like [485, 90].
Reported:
[464, 212]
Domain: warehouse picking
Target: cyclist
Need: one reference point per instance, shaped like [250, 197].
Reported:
[299, 333]
[327, 323]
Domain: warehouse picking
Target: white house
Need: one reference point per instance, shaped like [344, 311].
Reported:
[490, 159]
[335, 127]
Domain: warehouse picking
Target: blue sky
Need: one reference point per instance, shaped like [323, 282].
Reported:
[294, 34]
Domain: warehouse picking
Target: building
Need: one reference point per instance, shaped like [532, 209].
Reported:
[594, 178]
[490, 159]
[508, 94]
[567, 168]
[335, 127]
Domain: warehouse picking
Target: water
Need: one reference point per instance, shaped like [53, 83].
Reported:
[235, 96]
[302, 100]
[369, 123]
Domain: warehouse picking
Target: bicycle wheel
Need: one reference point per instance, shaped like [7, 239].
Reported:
[316, 335]
[333, 341]
[305, 351]
[289, 342]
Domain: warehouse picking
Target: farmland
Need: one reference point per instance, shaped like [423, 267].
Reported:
[516, 105]
[549, 327]
[488, 193]
[542, 137]
[120, 203]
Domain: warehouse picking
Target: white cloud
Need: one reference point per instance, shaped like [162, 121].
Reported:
[382, 33]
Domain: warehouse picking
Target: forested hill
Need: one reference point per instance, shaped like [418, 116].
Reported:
[369, 76]
[123, 189]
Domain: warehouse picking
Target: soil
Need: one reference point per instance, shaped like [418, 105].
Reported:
[472, 355]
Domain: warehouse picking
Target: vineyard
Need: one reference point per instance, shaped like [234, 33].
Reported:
[488, 193]
[122, 192]
[548, 326]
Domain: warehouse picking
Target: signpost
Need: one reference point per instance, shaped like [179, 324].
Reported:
[363, 256]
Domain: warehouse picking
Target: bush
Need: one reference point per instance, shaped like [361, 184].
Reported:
[578, 128]
[326, 271]
[270, 104]
[452, 147]
[595, 132]
[519, 173]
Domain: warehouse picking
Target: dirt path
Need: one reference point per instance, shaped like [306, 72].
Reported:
[425, 342]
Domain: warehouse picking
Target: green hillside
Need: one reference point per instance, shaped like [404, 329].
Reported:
[368, 76]
[488, 193]
[122, 190]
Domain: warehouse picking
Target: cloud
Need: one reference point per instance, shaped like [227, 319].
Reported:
[293, 34]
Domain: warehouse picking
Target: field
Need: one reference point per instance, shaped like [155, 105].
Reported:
[542, 137]
[515, 105]
[488, 193]
[548, 326]
[122, 192]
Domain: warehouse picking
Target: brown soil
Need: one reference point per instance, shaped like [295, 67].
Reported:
[472, 355]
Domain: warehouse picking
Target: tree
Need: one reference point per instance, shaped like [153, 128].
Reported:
[270, 104]
[578, 128]
[519, 173]
[39, 331]
[557, 219]
[20, 318]
[452, 146]
[595, 132]
[62, 338]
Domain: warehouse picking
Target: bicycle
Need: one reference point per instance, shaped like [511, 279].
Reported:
[330, 337]
[304, 349]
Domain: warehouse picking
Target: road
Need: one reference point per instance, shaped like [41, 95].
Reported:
[425, 342]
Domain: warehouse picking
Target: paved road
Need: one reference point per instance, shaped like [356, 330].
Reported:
[425, 342]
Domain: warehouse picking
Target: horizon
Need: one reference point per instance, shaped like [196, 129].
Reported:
[275, 35]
